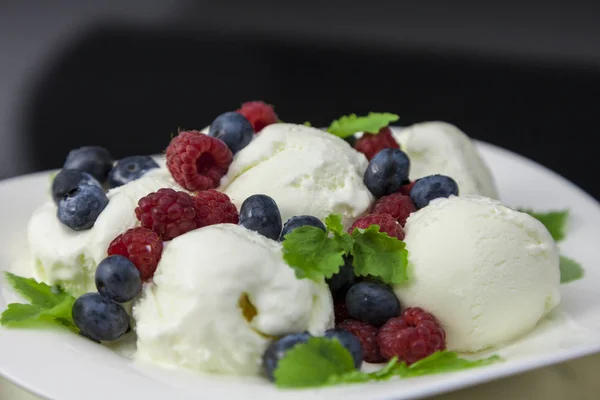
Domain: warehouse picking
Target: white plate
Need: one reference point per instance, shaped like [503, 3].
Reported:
[62, 366]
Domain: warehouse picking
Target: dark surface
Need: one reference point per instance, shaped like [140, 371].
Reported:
[129, 90]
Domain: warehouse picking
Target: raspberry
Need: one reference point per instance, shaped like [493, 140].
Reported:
[197, 161]
[371, 144]
[411, 337]
[142, 246]
[168, 213]
[340, 311]
[367, 334]
[213, 207]
[259, 114]
[386, 222]
[405, 189]
[397, 205]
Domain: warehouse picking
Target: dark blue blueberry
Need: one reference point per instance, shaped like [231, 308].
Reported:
[94, 160]
[372, 302]
[129, 169]
[118, 279]
[100, 318]
[341, 282]
[260, 213]
[386, 172]
[70, 179]
[350, 342]
[351, 140]
[80, 207]
[432, 187]
[278, 348]
[298, 221]
[233, 129]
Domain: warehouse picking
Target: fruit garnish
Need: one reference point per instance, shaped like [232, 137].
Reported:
[140, 245]
[387, 172]
[99, 318]
[68, 180]
[348, 125]
[118, 279]
[398, 205]
[370, 144]
[432, 187]
[299, 221]
[94, 160]
[214, 207]
[260, 213]
[233, 129]
[372, 302]
[259, 113]
[367, 335]
[80, 208]
[350, 341]
[386, 222]
[570, 270]
[129, 169]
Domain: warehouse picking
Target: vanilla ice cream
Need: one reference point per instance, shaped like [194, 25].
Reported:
[487, 272]
[305, 170]
[441, 148]
[219, 296]
[69, 258]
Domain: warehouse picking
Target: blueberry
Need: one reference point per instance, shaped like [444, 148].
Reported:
[297, 222]
[351, 140]
[386, 172]
[260, 213]
[69, 179]
[432, 187]
[278, 348]
[100, 318]
[372, 302]
[94, 160]
[118, 279]
[341, 282]
[81, 206]
[129, 169]
[349, 341]
[233, 129]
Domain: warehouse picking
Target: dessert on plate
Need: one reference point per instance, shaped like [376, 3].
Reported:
[257, 247]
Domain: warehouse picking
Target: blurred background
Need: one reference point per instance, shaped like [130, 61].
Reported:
[127, 74]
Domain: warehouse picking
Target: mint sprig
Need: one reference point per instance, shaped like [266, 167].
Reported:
[48, 304]
[325, 362]
[315, 254]
[348, 125]
[554, 221]
[570, 270]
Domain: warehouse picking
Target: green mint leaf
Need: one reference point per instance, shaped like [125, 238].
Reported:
[377, 254]
[307, 123]
[348, 125]
[554, 221]
[334, 225]
[570, 270]
[311, 364]
[48, 304]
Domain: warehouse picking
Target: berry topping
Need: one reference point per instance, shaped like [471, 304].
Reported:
[349, 341]
[213, 207]
[260, 213]
[129, 169]
[367, 335]
[339, 310]
[94, 160]
[387, 172]
[233, 129]
[432, 187]
[80, 207]
[70, 179]
[168, 213]
[372, 302]
[298, 221]
[259, 114]
[341, 282]
[278, 348]
[411, 337]
[371, 144]
[118, 279]
[397, 205]
[386, 223]
[100, 318]
[405, 189]
[140, 245]
[197, 161]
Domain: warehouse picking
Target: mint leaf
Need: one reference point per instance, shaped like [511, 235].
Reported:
[570, 270]
[377, 254]
[443, 361]
[334, 225]
[348, 125]
[554, 221]
[48, 304]
[311, 364]
[307, 123]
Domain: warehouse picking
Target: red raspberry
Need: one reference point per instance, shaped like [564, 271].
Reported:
[405, 189]
[367, 335]
[142, 246]
[197, 161]
[168, 213]
[340, 311]
[411, 337]
[213, 207]
[386, 222]
[397, 205]
[260, 114]
[371, 144]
